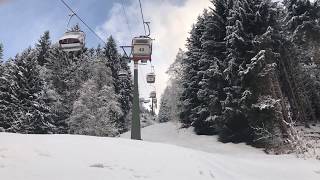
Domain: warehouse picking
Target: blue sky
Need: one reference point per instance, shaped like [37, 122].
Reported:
[24, 21]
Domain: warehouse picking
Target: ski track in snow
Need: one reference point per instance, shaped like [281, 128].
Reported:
[166, 153]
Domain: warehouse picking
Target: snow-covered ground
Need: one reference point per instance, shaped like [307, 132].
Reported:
[172, 154]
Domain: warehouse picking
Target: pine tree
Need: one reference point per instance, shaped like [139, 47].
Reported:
[97, 110]
[123, 86]
[43, 47]
[67, 72]
[211, 65]
[247, 19]
[1, 53]
[23, 95]
[302, 27]
[9, 102]
[191, 81]
[165, 110]
[112, 58]
[125, 95]
[175, 88]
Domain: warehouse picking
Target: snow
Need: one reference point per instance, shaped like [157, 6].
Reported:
[166, 153]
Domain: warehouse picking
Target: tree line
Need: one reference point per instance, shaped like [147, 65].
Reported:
[250, 72]
[45, 90]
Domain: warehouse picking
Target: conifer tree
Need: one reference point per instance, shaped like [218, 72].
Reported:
[191, 81]
[97, 110]
[43, 47]
[67, 73]
[9, 109]
[165, 110]
[112, 58]
[125, 95]
[211, 66]
[1, 53]
[303, 26]
[123, 86]
[23, 95]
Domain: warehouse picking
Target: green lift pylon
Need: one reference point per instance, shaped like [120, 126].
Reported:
[135, 124]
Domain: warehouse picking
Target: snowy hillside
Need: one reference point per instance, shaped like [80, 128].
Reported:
[65, 157]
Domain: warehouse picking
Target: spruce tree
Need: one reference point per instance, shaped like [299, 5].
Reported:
[43, 47]
[165, 110]
[302, 31]
[191, 81]
[246, 20]
[112, 58]
[9, 102]
[123, 86]
[23, 108]
[97, 110]
[67, 72]
[125, 95]
[210, 72]
[1, 53]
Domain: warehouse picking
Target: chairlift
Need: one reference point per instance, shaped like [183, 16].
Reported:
[142, 48]
[122, 74]
[146, 101]
[144, 62]
[155, 101]
[151, 78]
[72, 41]
[142, 100]
[153, 94]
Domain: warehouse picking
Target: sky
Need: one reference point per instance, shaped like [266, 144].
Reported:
[23, 22]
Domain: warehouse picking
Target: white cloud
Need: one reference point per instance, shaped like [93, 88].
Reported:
[170, 26]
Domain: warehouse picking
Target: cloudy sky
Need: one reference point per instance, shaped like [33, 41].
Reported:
[23, 21]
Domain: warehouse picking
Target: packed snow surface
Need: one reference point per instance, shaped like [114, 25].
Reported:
[173, 153]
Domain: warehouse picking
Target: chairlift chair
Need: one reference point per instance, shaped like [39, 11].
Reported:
[122, 74]
[142, 100]
[142, 48]
[146, 101]
[144, 62]
[151, 78]
[72, 41]
[153, 94]
[155, 101]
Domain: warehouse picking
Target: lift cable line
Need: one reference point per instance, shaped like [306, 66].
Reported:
[75, 14]
[126, 16]
[142, 16]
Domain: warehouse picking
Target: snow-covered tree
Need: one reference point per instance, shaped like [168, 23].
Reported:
[97, 110]
[43, 47]
[123, 86]
[66, 73]
[23, 108]
[301, 27]
[165, 110]
[170, 103]
[1, 53]
[9, 109]
[125, 95]
[191, 81]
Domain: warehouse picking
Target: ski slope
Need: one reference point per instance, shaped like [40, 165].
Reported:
[171, 154]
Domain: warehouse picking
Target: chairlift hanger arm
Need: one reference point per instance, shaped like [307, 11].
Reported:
[70, 17]
[125, 52]
[148, 25]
